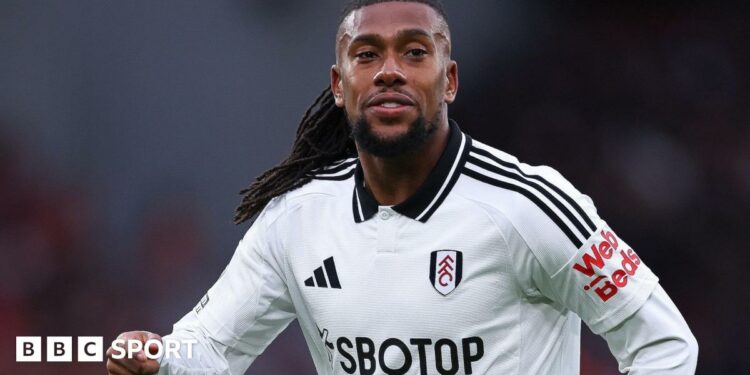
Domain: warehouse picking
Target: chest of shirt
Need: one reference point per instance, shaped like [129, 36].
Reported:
[393, 275]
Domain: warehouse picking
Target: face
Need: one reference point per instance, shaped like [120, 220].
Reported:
[393, 75]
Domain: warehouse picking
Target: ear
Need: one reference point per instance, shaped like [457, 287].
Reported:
[451, 89]
[336, 86]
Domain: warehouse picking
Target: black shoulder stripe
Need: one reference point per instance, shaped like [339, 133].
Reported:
[338, 168]
[340, 177]
[492, 168]
[541, 179]
[501, 184]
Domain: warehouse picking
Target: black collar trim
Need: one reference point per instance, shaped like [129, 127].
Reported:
[426, 200]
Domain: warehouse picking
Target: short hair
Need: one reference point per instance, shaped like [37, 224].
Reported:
[353, 5]
[436, 5]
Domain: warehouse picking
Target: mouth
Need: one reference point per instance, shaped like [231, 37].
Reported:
[390, 105]
[390, 100]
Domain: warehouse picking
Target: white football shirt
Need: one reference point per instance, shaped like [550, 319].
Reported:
[487, 269]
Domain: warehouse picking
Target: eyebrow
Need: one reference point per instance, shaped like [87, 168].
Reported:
[376, 39]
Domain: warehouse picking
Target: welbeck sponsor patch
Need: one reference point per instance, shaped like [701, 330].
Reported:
[606, 283]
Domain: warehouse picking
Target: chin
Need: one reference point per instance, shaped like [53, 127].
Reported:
[394, 124]
[391, 139]
[388, 131]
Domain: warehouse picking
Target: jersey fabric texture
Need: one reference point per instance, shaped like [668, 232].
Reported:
[488, 268]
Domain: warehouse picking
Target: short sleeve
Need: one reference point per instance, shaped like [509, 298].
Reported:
[595, 274]
[250, 305]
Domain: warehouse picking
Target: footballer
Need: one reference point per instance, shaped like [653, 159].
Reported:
[404, 246]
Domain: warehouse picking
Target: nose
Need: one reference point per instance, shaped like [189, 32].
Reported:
[390, 74]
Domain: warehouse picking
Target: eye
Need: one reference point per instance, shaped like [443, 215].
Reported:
[416, 52]
[366, 55]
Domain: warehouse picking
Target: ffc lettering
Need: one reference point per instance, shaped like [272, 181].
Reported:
[606, 286]
[445, 270]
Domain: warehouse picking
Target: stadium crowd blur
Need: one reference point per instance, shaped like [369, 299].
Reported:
[645, 108]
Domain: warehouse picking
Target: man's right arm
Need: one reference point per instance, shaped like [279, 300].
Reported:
[206, 356]
[247, 307]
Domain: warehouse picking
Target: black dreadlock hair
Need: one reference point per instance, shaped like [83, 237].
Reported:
[323, 137]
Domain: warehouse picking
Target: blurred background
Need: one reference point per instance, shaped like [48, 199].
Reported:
[127, 129]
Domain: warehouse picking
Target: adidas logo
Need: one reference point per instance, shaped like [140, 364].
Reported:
[327, 271]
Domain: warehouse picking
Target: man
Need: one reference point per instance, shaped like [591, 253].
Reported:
[413, 249]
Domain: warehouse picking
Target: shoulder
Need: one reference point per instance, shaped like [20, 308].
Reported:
[537, 201]
[328, 182]
[339, 170]
[504, 171]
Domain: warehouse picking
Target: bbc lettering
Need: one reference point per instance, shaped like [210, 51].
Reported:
[91, 348]
[60, 349]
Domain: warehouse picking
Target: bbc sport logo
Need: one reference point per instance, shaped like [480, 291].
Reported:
[91, 348]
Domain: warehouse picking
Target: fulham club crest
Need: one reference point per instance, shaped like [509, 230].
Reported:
[445, 270]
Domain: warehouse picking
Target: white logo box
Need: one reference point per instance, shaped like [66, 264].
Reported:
[59, 349]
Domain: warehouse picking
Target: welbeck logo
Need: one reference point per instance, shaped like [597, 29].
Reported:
[598, 265]
[446, 267]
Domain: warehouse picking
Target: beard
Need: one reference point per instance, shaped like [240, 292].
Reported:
[419, 132]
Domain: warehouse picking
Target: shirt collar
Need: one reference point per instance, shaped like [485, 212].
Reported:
[428, 197]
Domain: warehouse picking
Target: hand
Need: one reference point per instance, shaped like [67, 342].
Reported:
[139, 364]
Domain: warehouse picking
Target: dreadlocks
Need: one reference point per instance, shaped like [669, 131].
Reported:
[323, 137]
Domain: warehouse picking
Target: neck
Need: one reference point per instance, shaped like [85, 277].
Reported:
[393, 180]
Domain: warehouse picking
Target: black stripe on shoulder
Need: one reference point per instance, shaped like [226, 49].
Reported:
[336, 168]
[340, 177]
[560, 206]
[541, 179]
[502, 184]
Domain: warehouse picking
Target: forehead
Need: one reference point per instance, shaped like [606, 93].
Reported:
[386, 19]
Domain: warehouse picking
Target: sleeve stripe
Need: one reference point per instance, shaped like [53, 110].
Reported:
[531, 196]
[336, 167]
[336, 177]
[541, 179]
[560, 206]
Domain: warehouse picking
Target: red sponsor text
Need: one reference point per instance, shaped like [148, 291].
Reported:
[592, 263]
